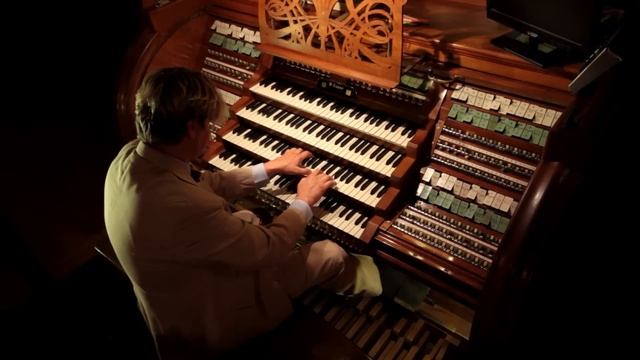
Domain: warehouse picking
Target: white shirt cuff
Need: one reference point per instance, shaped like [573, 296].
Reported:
[303, 208]
[259, 173]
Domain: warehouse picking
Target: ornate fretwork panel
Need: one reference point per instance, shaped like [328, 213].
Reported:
[354, 38]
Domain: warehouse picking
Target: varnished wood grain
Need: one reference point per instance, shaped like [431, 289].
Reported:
[460, 34]
[362, 41]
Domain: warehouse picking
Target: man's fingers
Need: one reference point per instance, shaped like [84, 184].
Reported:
[303, 154]
[301, 170]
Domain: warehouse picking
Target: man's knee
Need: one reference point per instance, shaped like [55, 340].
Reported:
[334, 256]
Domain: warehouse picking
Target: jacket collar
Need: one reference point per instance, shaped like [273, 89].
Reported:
[178, 167]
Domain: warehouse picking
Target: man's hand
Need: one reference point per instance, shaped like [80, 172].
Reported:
[288, 163]
[312, 187]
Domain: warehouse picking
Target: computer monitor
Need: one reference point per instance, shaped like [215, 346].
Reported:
[547, 32]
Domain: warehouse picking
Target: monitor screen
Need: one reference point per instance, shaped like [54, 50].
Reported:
[547, 32]
[570, 21]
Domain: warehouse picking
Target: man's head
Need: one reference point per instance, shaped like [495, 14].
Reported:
[174, 105]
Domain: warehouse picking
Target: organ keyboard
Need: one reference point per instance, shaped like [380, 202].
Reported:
[339, 113]
[331, 216]
[364, 150]
[323, 138]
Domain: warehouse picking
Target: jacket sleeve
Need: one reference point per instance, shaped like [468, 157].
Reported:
[210, 234]
[230, 184]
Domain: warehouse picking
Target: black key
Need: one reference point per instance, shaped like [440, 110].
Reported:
[376, 189]
[394, 158]
[267, 141]
[323, 202]
[254, 104]
[369, 117]
[237, 130]
[262, 109]
[321, 132]
[366, 184]
[362, 146]
[350, 214]
[316, 162]
[313, 128]
[396, 162]
[346, 141]
[299, 123]
[326, 135]
[291, 120]
[355, 144]
[308, 127]
[333, 134]
[340, 172]
[307, 161]
[376, 152]
[340, 138]
[382, 154]
[280, 148]
[330, 169]
[272, 111]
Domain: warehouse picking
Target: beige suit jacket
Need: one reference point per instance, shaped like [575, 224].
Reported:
[202, 276]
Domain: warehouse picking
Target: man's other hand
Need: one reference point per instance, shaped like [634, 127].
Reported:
[312, 187]
[288, 163]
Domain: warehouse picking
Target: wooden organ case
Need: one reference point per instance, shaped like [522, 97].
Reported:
[444, 178]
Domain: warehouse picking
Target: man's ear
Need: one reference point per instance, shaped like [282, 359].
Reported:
[192, 129]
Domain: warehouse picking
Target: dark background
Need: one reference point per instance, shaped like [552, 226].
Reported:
[61, 65]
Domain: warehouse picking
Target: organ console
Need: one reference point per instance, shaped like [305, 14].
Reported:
[443, 178]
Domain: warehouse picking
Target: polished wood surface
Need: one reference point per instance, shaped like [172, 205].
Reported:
[171, 15]
[360, 40]
[460, 34]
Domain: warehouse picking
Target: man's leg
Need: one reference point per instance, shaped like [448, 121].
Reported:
[322, 263]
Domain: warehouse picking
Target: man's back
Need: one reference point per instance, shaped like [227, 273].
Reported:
[207, 280]
[186, 289]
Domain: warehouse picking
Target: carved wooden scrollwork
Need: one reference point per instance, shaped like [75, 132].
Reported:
[354, 38]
